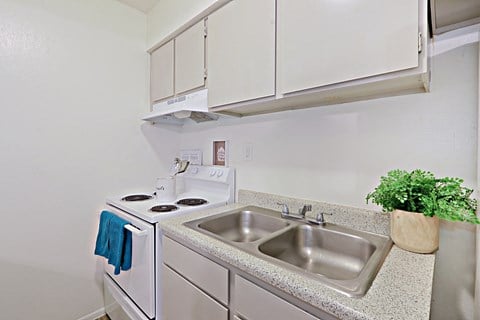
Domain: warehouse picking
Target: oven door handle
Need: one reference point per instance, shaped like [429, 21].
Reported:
[136, 231]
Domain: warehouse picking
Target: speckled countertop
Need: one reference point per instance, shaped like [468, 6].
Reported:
[401, 290]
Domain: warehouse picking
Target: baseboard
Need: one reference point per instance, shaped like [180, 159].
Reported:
[94, 315]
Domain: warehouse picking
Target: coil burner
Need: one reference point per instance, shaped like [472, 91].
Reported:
[164, 208]
[137, 197]
[191, 202]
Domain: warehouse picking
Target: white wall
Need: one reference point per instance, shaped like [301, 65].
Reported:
[337, 153]
[73, 79]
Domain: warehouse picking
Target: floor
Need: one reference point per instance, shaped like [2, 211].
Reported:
[105, 317]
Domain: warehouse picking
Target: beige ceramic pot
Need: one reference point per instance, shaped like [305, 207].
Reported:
[414, 232]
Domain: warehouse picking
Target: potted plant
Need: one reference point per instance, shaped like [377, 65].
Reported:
[416, 200]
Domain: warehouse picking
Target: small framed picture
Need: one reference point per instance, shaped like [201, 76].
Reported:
[220, 153]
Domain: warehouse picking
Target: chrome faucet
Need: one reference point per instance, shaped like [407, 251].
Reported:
[301, 212]
[305, 209]
[320, 219]
[285, 210]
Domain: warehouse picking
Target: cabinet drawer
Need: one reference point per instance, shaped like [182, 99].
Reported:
[182, 300]
[255, 303]
[201, 271]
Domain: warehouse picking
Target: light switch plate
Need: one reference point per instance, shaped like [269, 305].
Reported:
[193, 155]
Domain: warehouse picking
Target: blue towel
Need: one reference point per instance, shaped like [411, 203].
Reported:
[114, 242]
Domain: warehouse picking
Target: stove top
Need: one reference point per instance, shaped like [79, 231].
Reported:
[200, 187]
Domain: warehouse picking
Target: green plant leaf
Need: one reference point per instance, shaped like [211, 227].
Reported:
[419, 191]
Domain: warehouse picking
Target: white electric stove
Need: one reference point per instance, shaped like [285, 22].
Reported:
[136, 294]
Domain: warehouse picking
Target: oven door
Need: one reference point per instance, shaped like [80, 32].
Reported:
[138, 283]
[118, 305]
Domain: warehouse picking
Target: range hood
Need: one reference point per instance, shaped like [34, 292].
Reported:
[181, 109]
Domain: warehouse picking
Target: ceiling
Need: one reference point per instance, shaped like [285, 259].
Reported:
[142, 5]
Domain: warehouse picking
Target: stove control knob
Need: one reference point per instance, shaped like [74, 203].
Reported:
[213, 172]
[219, 173]
[194, 170]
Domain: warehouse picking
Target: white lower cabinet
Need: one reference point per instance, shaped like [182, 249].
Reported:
[255, 303]
[200, 271]
[196, 288]
[183, 301]
[193, 287]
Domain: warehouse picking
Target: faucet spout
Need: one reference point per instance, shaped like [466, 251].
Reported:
[305, 209]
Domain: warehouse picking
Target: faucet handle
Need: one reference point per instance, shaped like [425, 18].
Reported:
[320, 219]
[285, 210]
[306, 207]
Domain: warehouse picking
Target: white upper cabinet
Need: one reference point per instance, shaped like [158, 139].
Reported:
[178, 66]
[262, 56]
[241, 52]
[190, 59]
[161, 72]
[328, 42]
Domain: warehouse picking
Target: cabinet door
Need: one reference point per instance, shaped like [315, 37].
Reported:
[325, 42]
[202, 272]
[241, 52]
[255, 303]
[182, 300]
[190, 59]
[161, 72]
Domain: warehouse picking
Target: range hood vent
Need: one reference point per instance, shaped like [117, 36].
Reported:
[178, 110]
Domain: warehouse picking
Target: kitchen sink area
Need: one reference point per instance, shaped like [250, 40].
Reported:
[344, 269]
[341, 258]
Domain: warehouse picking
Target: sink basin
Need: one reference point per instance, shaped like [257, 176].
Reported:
[346, 260]
[343, 259]
[242, 226]
[322, 251]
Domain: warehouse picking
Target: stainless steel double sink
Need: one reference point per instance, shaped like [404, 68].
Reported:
[343, 259]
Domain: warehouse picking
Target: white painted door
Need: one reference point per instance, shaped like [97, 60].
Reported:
[241, 52]
[190, 59]
[326, 42]
[161, 72]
